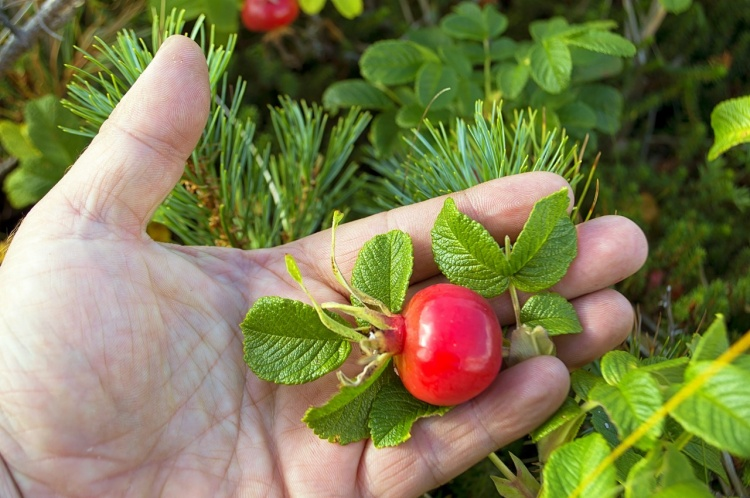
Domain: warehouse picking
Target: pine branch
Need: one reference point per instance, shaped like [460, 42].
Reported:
[52, 15]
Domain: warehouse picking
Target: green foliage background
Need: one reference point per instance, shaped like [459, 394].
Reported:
[653, 166]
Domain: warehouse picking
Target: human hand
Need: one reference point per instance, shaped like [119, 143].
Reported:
[121, 364]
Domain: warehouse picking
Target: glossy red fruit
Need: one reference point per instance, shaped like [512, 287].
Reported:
[267, 15]
[452, 345]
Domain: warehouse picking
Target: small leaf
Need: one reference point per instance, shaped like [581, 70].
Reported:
[551, 65]
[394, 62]
[311, 7]
[713, 342]
[551, 311]
[355, 93]
[603, 42]
[395, 410]
[719, 411]
[343, 419]
[512, 78]
[286, 343]
[706, 456]
[436, 85]
[385, 133]
[383, 268]
[569, 465]
[630, 403]
[616, 364]
[522, 485]
[467, 254]
[469, 22]
[559, 429]
[582, 381]
[546, 246]
[606, 102]
[676, 6]
[730, 121]
[666, 372]
[577, 116]
[16, 142]
[349, 8]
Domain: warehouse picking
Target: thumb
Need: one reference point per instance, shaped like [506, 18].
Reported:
[140, 151]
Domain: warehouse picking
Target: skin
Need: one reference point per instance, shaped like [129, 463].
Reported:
[121, 370]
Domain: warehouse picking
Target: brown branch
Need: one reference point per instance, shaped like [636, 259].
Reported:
[52, 15]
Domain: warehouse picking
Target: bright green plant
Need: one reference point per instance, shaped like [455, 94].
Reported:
[439, 73]
[44, 152]
[439, 161]
[730, 121]
[347, 8]
[286, 344]
[233, 192]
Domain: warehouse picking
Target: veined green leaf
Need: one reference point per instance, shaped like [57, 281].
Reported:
[603, 42]
[546, 246]
[436, 85]
[630, 403]
[582, 381]
[16, 142]
[713, 342]
[470, 22]
[551, 65]
[615, 364]
[395, 410]
[394, 62]
[569, 465]
[467, 254]
[666, 371]
[561, 428]
[355, 93]
[719, 412]
[602, 424]
[383, 268]
[551, 311]
[512, 78]
[286, 343]
[730, 121]
[343, 419]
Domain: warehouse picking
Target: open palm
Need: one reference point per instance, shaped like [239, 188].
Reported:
[121, 369]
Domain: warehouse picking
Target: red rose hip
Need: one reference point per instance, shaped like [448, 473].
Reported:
[452, 345]
[267, 15]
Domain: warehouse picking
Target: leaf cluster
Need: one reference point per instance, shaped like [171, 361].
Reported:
[439, 73]
[655, 426]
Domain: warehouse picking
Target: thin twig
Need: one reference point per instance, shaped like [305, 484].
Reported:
[52, 15]
[737, 485]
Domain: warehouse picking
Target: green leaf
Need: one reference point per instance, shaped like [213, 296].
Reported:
[706, 456]
[713, 342]
[603, 42]
[591, 67]
[343, 419]
[569, 465]
[551, 65]
[730, 121]
[221, 13]
[582, 381]
[412, 115]
[676, 6]
[30, 181]
[311, 7]
[455, 58]
[603, 425]
[551, 311]
[616, 364]
[719, 411]
[546, 246]
[577, 116]
[383, 268]
[562, 427]
[606, 102]
[641, 479]
[467, 254]
[677, 477]
[44, 117]
[384, 133]
[394, 62]
[630, 403]
[469, 22]
[522, 485]
[349, 8]
[355, 93]
[395, 410]
[512, 78]
[286, 343]
[16, 142]
[436, 85]
[665, 371]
